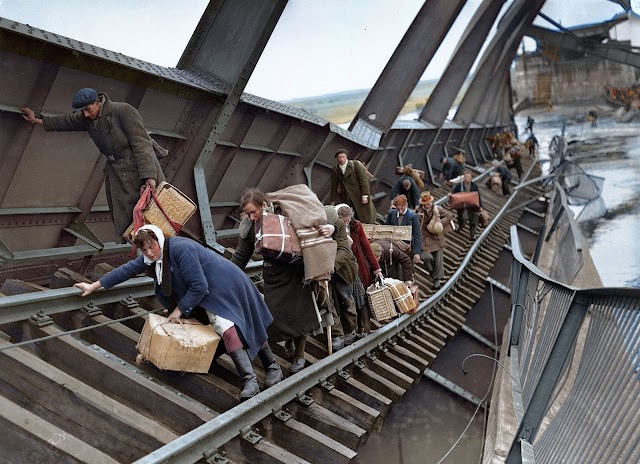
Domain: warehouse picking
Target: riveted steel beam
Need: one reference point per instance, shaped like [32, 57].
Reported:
[510, 30]
[437, 107]
[407, 64]
[218, 52]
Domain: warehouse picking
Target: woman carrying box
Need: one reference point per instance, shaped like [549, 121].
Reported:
[187, 275]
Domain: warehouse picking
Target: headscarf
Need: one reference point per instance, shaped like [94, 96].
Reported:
[158, 233]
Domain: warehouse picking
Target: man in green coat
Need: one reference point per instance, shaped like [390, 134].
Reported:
[118, 131]
[350, 185]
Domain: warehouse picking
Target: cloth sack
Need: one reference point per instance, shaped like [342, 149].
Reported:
[483, 218]
[276, 238]
[435, 224]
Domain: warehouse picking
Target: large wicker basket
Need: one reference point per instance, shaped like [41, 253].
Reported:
[386, 232]
[380, 302]
[176, 204]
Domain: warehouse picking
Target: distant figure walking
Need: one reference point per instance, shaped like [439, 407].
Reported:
[350, 185]
[593, 118]
[530, 122]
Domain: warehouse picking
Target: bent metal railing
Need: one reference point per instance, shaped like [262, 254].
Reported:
[575, 358]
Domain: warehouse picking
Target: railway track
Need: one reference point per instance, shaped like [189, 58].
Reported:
[70, 390]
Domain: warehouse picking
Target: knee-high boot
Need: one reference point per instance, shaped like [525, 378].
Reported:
[245, 369]
[273, 373]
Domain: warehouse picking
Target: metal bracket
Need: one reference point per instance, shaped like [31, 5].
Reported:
[213, 457]
[41, 319]
[392, 342]
[327, 385]
[304, 399]
[283, 416]
[80, 230]
[383, 349]
[359, 364]
[371, 356]
[344, 375]
[129, 302]
[249, 435]
[91, 310]
[5, 252]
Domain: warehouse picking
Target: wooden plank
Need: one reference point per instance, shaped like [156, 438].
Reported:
[19, 287]
[393, 374]
[369, 391]
[122, 383]
[343, 405]
[396, 389]
[333, 444]
[60, 443]
[280, 454]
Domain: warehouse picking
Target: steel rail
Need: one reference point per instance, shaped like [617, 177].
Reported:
[47, 302]
[205, 440]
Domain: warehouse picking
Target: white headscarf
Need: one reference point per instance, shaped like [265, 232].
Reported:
[158, 233]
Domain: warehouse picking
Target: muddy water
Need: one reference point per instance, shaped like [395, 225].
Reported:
[431, 423]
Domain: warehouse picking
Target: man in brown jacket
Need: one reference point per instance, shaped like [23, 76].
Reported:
[117, 130]
[350, 185]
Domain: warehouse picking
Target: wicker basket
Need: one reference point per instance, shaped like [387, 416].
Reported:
[176, 204]
[380, 302]
[386, 232]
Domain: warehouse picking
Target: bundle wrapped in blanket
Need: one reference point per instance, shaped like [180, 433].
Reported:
[307, 214]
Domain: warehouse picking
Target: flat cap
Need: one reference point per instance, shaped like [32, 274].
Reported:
[83, 98]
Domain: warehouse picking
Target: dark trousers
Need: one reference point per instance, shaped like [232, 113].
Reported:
[344, 306]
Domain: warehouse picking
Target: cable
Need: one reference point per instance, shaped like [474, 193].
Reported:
[486, 395]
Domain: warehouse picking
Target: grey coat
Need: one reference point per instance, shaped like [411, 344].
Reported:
[119, 134]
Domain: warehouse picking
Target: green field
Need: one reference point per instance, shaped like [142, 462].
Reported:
[340, 108]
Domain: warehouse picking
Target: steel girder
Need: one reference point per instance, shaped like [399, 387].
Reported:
[510, 30]
[571, 42]
[406, 66]
[226, 46]
[441, 99]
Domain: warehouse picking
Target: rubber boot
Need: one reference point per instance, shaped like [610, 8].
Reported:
[245, 369]
[272, 371]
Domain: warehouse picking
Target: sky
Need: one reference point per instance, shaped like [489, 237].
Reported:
[318, 46]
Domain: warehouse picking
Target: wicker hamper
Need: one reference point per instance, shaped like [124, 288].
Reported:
[380, 302]
[402, 296]
[176, 204]
[386, 232]
[185, 347]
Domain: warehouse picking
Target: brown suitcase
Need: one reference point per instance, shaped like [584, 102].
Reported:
[276, 238]
[402, 296]
[464, 200]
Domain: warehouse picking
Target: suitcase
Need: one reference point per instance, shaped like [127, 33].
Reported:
[276, 238]
[187, 346]
[464, 200]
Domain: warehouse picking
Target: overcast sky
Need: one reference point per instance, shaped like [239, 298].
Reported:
[318, 46]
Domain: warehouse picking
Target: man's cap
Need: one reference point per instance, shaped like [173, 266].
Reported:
[83, 98]
[425, 198]
[377, 250]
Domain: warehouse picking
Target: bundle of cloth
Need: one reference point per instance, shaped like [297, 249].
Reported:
[307, 214]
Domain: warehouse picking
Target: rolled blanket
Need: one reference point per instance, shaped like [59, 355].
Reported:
[307, 213]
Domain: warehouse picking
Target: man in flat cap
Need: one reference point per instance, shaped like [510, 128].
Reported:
[118, 131]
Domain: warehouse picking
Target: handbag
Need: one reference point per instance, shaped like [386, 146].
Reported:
[276, 238]
[464, 200]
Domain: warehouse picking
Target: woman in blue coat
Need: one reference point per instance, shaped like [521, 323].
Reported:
[188, 275]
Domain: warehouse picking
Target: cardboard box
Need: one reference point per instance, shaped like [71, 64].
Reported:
[187, 346]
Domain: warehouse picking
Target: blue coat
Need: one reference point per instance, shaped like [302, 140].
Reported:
[200, 277]
[413, 195]
[410, 219]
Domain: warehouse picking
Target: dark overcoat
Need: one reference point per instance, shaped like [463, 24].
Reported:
[119, 134]
[410, 218]
[350, 187]
[200, 277]
[289, 299]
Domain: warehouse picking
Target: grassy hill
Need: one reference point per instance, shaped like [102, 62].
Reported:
[341, 107]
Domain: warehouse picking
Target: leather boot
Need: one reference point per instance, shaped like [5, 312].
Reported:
[245, 369]
[273, 373]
